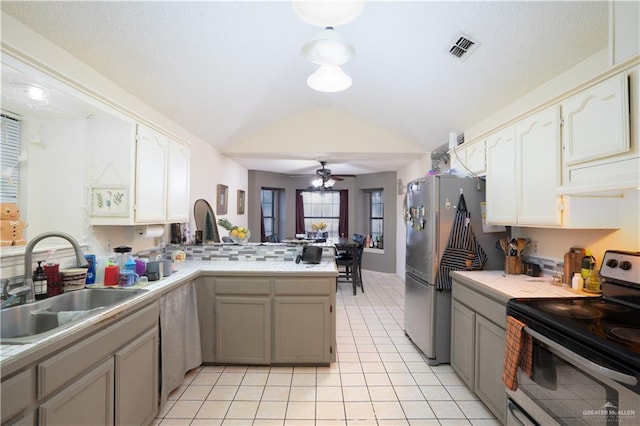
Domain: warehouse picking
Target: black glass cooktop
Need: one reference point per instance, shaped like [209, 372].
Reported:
[611, 327]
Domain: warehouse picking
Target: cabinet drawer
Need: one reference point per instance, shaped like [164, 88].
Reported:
[299, 286]
[68, 364]
[17, 394]
[484, 306]
[243, 286]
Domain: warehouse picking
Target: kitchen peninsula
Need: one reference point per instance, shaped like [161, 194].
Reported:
[249, 312]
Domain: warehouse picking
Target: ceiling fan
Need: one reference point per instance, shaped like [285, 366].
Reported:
[325, 179]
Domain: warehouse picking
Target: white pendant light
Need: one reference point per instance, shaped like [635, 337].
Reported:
[329, 78]
[328, 48]
[324, 13]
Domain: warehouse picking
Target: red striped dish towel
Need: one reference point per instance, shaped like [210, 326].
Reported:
[518, 352]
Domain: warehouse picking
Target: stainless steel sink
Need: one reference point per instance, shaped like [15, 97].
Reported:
[34, 321]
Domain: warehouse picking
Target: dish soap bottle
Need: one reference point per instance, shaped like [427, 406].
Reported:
[588, 265]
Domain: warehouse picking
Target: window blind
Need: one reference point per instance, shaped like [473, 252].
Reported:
[10, 131]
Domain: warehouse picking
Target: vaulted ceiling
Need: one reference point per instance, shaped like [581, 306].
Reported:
[232, 73]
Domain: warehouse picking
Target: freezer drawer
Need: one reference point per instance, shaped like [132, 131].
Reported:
[427, 319]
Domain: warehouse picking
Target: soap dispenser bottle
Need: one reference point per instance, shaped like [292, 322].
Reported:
[40, 282]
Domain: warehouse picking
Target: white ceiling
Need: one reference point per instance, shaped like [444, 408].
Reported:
[226, 71]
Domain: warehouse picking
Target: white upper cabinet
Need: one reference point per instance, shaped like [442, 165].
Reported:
[523, 174]
[162, 178]
[538, 159]
[469, 158]
[596, 122]
[149, 170]
[152, 153]
[502, 190]
[600, 136]
[178, 172]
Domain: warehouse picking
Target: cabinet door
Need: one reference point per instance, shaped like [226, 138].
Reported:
[489, 364]
[178, 182]
[205, 288]
[243, 329]
[596, 121]
[462, 341]
[151, 175]
[136, 380]
[476, 157]
[16, 394]
[538, 151]
[88, 401]
[502, 207]
[302, 329]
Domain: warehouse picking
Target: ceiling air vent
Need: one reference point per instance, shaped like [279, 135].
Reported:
[463, 47]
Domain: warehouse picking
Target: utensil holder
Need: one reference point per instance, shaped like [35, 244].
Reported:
[513, 265]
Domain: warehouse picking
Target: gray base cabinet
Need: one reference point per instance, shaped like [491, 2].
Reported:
[108, 378]
[477, 346]
[136, 384]
[243, 329]
[489, 362]
[301, 329]
[88, 401]
[463, 342]
[267, 320]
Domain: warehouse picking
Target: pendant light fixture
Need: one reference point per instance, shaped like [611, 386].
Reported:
[325, 13]
[328, 47]
[329, 79]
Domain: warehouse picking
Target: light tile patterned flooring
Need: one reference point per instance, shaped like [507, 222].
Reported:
[379, 379]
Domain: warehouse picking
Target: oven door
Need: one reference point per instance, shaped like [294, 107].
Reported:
[567, 389]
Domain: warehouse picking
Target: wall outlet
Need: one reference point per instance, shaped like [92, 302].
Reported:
[107, 247]
[534, 247]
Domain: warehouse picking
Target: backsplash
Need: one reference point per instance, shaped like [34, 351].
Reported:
[233, 252]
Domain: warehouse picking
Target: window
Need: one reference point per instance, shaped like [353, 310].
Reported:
[322, 206]
[10, 158]
[269, 201]
[376, 215]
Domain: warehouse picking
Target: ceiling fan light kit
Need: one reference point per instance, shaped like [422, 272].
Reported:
[329, 79]
[328, 48]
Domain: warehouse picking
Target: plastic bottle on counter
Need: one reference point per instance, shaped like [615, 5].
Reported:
[577, 282]
[588, 265]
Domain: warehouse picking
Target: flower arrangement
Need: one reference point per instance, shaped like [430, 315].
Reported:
[319, 226]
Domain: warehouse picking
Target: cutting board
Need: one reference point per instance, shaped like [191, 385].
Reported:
[572, 263]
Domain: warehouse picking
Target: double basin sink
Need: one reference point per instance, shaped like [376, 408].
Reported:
[33, 321]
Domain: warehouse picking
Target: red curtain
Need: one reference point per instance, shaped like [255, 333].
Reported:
[299, 212]
[343, 221]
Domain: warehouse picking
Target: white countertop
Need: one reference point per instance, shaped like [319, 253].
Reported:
[184, 271]
[504, 286]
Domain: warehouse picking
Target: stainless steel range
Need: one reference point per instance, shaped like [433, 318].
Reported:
[586, 353]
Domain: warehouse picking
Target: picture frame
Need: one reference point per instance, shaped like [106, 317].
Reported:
[110, 201]
[222, 199]
[241, 200]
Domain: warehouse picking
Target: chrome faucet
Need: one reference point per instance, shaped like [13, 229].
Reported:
[28, 256]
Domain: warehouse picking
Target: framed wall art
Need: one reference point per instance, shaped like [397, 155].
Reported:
[110, 201]
[240, 201]
[222, 199]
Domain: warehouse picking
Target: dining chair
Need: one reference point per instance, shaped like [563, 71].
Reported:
[345, 259]
[273, 238]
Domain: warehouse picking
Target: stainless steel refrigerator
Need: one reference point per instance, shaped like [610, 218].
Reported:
[431, 207]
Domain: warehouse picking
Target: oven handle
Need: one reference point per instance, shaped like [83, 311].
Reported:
[582, 362]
